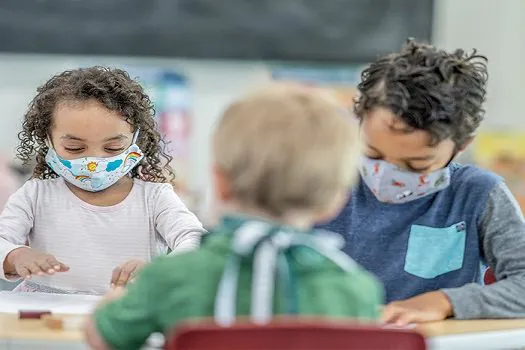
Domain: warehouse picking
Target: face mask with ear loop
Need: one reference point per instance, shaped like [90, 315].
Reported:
[390, 184]
[95, 174]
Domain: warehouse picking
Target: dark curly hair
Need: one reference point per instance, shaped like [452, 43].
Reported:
[117, 92]
[429, 89]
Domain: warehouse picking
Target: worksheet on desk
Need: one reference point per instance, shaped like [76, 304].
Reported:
[13, 302]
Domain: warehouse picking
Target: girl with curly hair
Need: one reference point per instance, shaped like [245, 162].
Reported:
[100, 203]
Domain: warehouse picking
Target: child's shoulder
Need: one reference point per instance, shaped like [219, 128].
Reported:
[177, 268]
[33, 189]
[152, 186]
[471, 177]
[152, 189]
[155, 193]
[45, 185]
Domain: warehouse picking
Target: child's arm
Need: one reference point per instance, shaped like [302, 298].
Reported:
[16, 221]
[178, 226]
[367, 296]
[126, 323]
[502, 238]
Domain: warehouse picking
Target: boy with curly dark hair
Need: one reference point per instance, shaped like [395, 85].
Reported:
[430, 228]
[101, 185]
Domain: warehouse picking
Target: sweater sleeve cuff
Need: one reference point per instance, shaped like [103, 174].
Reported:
[7, 248]
[464, 302]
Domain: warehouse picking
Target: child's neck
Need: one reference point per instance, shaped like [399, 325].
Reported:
[297, 220]
[106, 198]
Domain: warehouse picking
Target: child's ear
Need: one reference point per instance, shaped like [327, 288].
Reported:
[460, 148]
[221, 183]
[465, 144]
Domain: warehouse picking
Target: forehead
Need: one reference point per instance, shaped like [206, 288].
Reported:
[88, 120]
[382, 130]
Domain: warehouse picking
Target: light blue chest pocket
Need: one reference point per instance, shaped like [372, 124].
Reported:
[435, 251]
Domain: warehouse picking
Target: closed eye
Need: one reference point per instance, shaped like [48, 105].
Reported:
[114, 149]
[69, 149]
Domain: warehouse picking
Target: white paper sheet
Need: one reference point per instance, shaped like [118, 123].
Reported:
[13, 302]
[393, 326]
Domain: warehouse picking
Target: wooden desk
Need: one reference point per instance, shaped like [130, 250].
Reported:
[477, 334]
[32, 334]
[452, 327]
[450, 335]
[13, 328]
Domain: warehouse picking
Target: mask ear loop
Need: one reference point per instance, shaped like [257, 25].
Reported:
[135, 136]
[49, 143]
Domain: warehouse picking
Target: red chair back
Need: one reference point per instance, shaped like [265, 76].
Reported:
[293, 336]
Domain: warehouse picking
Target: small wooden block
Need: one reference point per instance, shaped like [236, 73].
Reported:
[68, 323]
[53, 322]
[32, 315]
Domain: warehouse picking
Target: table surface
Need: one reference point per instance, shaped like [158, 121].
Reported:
[454, 327]
[13, 328]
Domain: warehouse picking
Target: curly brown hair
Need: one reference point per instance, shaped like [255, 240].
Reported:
[117, 92]
[429, 89]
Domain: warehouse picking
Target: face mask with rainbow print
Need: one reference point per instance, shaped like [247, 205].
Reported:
[95, 174]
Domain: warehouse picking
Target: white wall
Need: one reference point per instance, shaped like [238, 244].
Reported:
[497, 30]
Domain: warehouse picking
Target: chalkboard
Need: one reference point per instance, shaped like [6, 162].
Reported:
[310, 30]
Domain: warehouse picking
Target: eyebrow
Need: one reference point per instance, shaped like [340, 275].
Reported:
[409, 159]
[111, 138]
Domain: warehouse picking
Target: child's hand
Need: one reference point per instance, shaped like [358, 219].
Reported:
[113, 294]
[124, 273]
[433, 306]
[26, 262]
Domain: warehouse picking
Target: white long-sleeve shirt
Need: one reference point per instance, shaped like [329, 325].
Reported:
[93, 240]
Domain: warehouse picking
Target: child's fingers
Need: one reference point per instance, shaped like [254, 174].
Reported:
[34, 269]
[115, 275]
[390, 314]
[46, 267]
[24, 272]
[63, 267]
[54, 263]
[125, 274]
[406, 317]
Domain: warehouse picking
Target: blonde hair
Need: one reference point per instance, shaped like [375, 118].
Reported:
[286, 148]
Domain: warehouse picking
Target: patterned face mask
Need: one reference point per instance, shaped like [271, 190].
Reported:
[393, 185]
[95, 174]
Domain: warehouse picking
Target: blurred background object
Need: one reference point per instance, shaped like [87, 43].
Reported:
[298, 30]
[195, 56]
[504, 153]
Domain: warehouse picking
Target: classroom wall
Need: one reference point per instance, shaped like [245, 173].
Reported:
[496, 28]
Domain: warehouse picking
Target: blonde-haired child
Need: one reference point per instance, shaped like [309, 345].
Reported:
[283, 159]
